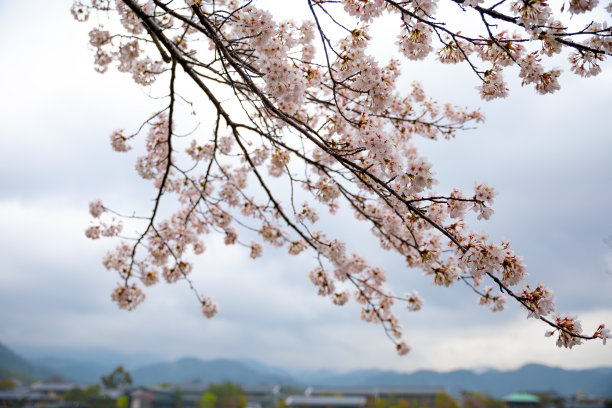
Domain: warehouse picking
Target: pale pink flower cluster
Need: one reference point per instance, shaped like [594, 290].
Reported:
[532, 13]
[461, 116]
[259, 156]
[209, 307]
[326, 190]
[256, 250]
[340, 298]
[145, 71]
[454, 52]
[415, 42]
[176, 272]
[307, 213]
[103, 230]
[365, 10]
[278, 162]
[484, 193]
[96, 208]
[128, 296]
[377, 143]
[502, 52]
[79, 11]
[128, 18]
[458, 204]
[119, 259]
[420, 175]
[225, 144]
[533, 72]
[483, 199]
[93, 232]
[602, 333]
[402, 348]
[582, 6]
[307, 39]
[272, 234]
[197, 152]
[599, 42]
[171, 241]
[154, 162]
[493, 85]
[119, 141]
[127, 54]
[424, 8]
[417, 93]
[566, 324]
[472, 3]
[495, 302]
[362, 72]
[539, 301]
[322, 281]
[149, 275]
[297, 247]
[102, 60]
[443, 274]
[414, 301]
[483, 257]
[99, 37]
[284, 81]
[585, 64]
[149, 7]
[550, 46]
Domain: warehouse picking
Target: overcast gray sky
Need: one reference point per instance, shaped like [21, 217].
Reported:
[548, 156]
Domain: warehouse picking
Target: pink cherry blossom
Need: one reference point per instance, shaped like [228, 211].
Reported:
[539, 301]
[96, 208]
[296, 122]
[209, 308]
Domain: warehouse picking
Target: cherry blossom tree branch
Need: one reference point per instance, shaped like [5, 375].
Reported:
[339, 119]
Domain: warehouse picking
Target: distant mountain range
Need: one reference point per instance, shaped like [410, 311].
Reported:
[13, 365]
[531, 377]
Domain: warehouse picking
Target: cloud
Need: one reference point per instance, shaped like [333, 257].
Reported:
[547, 156]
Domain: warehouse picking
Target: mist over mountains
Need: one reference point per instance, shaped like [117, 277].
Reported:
[87, 366]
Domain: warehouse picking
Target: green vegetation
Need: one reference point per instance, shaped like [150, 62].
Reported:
[394, 402]
[473, 399]
[443, 400]
[166, 384]
[13, 365]
[119, 378]
[208, 400]
[123, 402]
[83, 395]
[89, 397]
[6, 373]
[224, 395]
[280, 403]
[6, 384]
[177, 396]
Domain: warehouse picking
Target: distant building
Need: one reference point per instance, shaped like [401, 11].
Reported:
[303, 401]
[424, 396]
[582, 400]
[261, 396]
[189, 395]
[522, 400]
[55, 387]
[23, 396]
